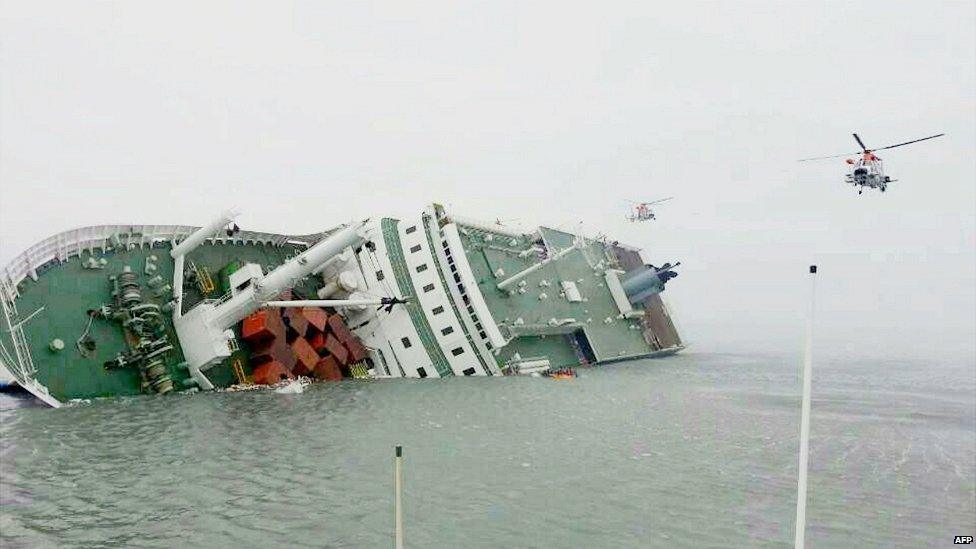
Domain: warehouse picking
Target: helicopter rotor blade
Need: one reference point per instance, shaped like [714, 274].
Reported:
[910, 142]
[658, 201]
[861, 143]
[826, 157]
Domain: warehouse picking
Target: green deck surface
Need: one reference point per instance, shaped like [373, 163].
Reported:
[67, 290]
[609, 341]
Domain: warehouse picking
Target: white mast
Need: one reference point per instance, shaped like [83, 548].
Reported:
[398, 499]
[801, 483]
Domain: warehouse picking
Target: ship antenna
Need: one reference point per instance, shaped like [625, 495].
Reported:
[801, 482]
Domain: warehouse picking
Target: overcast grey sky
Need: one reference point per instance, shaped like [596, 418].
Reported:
[308, 114]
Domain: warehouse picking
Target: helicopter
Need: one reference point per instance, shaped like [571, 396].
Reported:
[641, 211]
[868, 170]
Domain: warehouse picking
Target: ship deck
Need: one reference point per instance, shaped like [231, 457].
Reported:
[609, 341]
[56, 305]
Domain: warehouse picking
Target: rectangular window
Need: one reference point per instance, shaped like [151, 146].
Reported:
[411, 229]
[457, 351]
[421, 372]
[437, 310]
[448, 330]
[406, 342]
[415, 249]
[469, 372]
[422, 267]
[379, 275]
[429, 288]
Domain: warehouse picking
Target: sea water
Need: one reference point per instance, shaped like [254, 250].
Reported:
[696, 450]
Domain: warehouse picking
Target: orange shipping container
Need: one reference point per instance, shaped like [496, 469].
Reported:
[327, 369]
[357, 351]
[270, 373]
[339, 329]
[336, 349]
[295, 321]
[262, 326]
[317, 341]
[276, 350]
[305, 356]
[316, 317]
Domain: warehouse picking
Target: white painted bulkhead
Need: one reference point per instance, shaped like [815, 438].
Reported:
[396, 347]
[390, 333]
[473, 310]
[433, 298]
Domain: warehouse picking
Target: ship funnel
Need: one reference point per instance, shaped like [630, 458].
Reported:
[647, 280]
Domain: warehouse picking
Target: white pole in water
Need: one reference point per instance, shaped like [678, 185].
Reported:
[398, 498]
[801, 483]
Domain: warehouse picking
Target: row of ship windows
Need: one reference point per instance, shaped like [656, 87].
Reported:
[457, 351]
[423, 373]
[420, 268]
[464, 294]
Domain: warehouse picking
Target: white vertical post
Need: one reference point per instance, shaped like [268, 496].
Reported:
[801, 483]
[398, 498]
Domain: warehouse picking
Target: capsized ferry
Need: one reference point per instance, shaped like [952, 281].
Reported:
[156, 309]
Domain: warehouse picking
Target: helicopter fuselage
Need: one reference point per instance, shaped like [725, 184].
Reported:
[645, 215]
[868, 172]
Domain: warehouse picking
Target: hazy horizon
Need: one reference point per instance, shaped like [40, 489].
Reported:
[308, 115]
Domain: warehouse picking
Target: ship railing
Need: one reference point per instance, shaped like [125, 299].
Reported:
[222, 299]
[513, 365]
[21, 364]
[65, 245]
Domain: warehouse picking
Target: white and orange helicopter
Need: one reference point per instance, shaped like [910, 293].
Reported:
[641, 211]
[868, 170]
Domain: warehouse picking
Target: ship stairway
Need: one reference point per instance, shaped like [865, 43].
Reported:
[204, 280]
[238, 366]
[359, 371]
